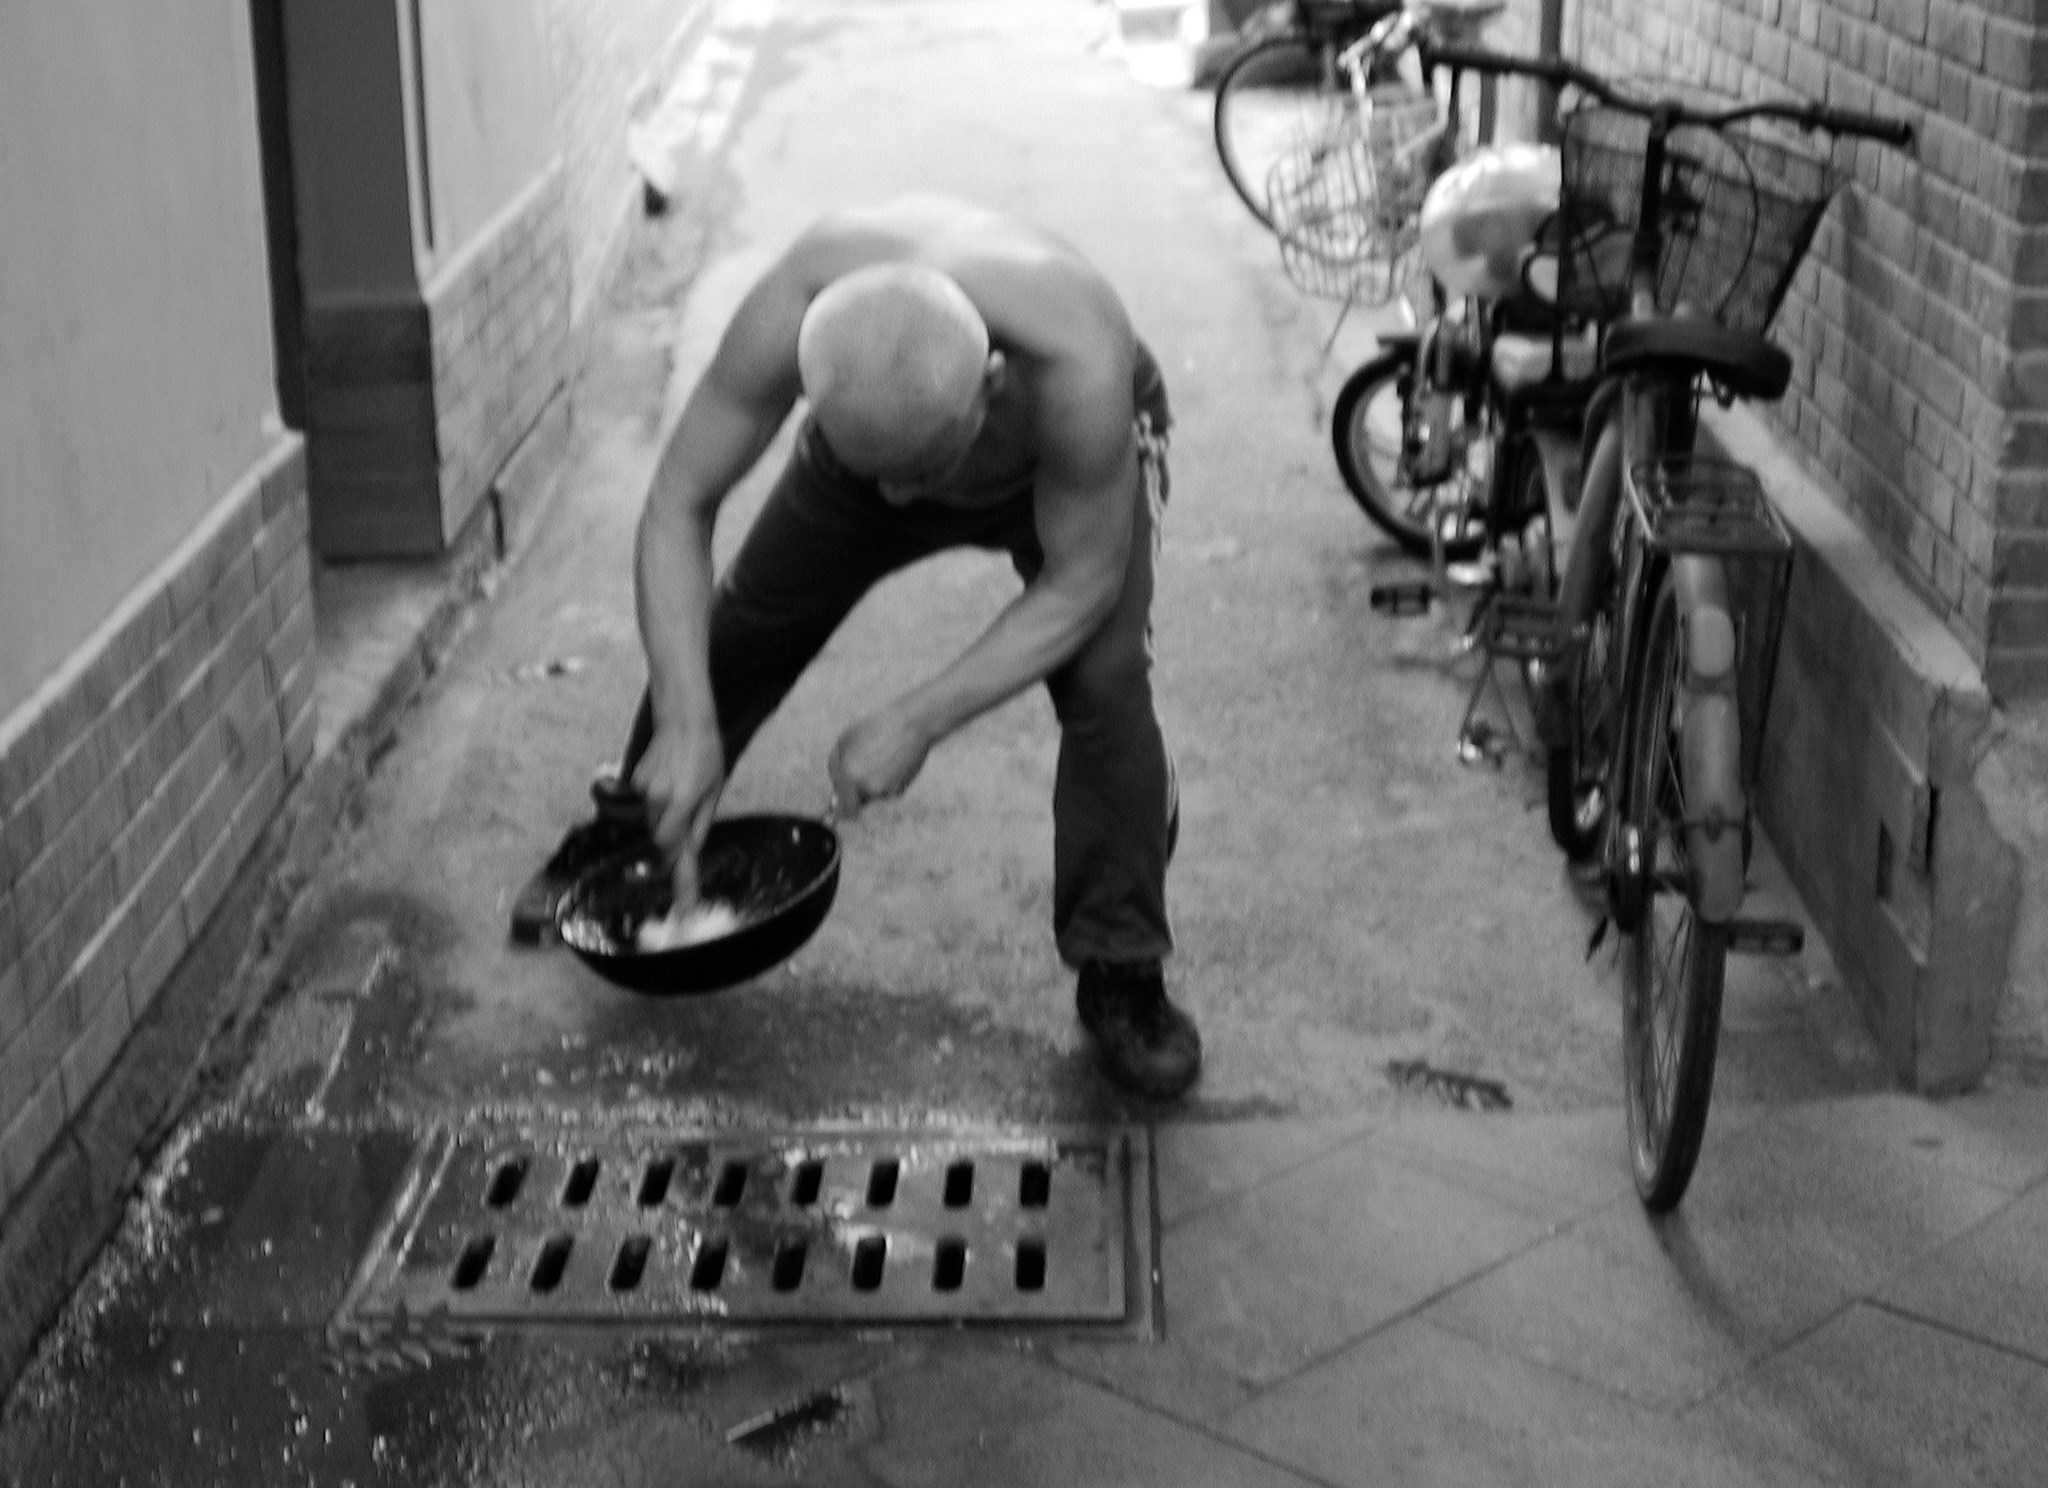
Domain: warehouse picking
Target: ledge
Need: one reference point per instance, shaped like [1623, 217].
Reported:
[1878, 786]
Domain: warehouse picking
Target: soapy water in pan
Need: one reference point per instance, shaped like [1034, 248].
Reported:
[626, 905]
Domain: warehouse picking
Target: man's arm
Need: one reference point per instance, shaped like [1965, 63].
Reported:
[728, 421]
[1086, 490]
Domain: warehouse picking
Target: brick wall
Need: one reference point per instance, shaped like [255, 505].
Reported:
[499, 319]
[609, 60]
[417, 394]
[132, 786]
[135, 781]
[1920, 322]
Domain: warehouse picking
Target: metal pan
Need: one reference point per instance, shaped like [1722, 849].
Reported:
[779, 872]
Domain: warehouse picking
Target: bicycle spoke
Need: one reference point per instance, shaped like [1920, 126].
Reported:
[1670, 985]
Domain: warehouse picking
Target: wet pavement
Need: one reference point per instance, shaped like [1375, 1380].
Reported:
[1331, 1273]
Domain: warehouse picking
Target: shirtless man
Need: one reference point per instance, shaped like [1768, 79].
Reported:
[970, 379]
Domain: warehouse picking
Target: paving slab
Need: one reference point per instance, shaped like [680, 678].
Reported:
[1996, 1138]
[1553, 1164]
[1200, 1164]
[1416, 1406]
[1274, 1279]
[1876, 1400]
[1165, 1375]
[1782, 1227]
[1605, 1317]
[983, 1418]
[1991, 1283]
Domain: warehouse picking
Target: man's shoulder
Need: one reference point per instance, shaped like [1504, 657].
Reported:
[1042, 298]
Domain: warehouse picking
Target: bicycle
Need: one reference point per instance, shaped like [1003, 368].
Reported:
[1681, 225]
[1284, 86]
[1457, 434]
[1415, 430]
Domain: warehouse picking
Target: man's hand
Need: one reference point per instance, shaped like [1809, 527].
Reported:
[681, 776]
[876, 760]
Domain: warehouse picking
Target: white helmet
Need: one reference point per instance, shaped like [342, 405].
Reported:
[1481, 218]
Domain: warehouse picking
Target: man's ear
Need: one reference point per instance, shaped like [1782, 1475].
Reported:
[995, 374]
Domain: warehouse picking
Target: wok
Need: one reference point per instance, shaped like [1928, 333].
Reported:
[779, 872]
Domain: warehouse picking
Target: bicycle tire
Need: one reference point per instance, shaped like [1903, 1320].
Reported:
[1367, 434]
[1277, 94]
[1587, 710]
[1530, 572]
[1671, 984]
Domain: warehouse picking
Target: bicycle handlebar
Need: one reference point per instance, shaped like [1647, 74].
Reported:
[1557, 71]
[1897, 132]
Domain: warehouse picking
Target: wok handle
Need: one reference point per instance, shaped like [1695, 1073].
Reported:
[613, 791]
[639, 738]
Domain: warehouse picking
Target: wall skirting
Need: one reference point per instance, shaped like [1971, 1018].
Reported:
[1874, 789]
[415, 398]
[132, 786]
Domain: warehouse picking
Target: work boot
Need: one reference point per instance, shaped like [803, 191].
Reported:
[621, 822]
[1147, 1045]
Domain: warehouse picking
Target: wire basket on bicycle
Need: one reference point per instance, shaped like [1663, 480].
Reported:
[1344, 204]
[1740, 208]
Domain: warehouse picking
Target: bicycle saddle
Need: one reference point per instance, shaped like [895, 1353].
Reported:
[1743, 362]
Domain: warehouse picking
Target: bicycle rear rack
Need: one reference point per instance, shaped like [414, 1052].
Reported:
[1695, 504]
[1692, 504]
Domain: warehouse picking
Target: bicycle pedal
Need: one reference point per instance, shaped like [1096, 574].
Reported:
[1405, 597]
[1480, 743]
[1766, 937]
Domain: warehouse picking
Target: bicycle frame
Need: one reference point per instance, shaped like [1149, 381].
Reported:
[1455, 407]
[1658, 419]
[1658, 735]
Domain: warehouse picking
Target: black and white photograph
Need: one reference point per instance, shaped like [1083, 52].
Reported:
[1023, 743]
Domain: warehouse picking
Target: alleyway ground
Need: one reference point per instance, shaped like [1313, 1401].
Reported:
[1358, 1284]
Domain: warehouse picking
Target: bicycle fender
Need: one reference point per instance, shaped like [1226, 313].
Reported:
[1711, 745]
[1588, 572]
[1710, 738]
[1559, 453]
[1706, 621]
[1603, 405]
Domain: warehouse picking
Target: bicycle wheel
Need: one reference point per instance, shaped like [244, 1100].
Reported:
[1369, 431]
[1277, 95]
[1575, 772]
[1527, 539]
[1586, 714]
[1673, 964]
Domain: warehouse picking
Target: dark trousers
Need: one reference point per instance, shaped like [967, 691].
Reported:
[825, 537]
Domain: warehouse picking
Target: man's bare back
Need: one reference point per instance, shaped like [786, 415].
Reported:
[1048, 310]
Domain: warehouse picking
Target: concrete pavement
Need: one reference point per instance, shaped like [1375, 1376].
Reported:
[1356, 1284]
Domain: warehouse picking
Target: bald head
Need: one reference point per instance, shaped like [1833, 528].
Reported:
[891, 356]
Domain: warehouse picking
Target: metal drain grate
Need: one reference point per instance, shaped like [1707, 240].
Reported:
[576, 1226]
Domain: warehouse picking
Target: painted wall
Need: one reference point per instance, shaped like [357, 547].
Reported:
[489, 112]
[135, 348]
